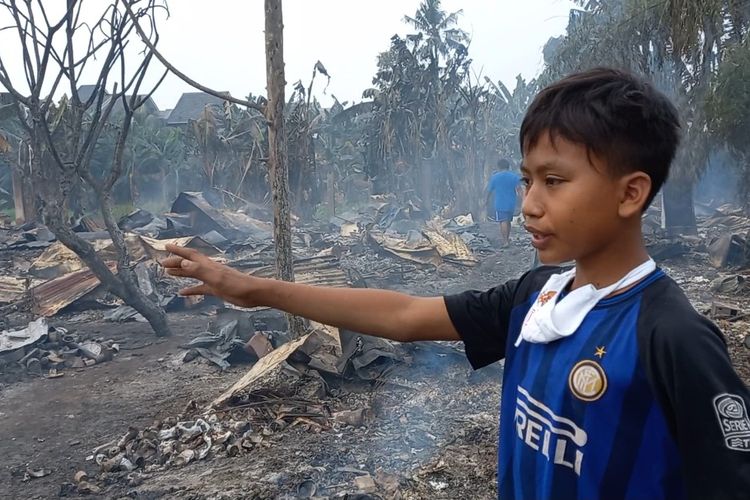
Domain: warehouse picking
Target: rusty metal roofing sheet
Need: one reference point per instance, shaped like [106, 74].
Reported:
[319, 270]
[11, 289]
[50, 297]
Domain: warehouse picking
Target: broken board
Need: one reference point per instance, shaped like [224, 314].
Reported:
[263, 367]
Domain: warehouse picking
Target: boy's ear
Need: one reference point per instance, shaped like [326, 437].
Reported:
[634, 190]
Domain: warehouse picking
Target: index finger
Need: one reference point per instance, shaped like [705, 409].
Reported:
[174, 261]
[186, 253]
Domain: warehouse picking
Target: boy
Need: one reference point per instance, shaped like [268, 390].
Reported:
[504, 185]
[614, 386]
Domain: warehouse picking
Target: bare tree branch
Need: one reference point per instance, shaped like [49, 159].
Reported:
[62, 138]
[182, 76]
[144, 99]
[34, 36]
[8, 84]
[17, 15]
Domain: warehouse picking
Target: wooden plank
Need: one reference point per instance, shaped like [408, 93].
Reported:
[263, 367]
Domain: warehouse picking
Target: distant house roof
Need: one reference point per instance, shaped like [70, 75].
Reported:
[191, 105]
[85, 92]
[149, 106]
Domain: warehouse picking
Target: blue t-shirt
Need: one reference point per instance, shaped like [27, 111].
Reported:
[640, 403]
[503, 185]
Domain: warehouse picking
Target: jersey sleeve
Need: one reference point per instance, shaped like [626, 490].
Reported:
[482, 319]
[704, 400]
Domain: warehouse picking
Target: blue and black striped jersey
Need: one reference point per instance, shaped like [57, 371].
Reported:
[640, 403]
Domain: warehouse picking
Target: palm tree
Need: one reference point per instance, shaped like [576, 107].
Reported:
[438, 32]
[438, 40]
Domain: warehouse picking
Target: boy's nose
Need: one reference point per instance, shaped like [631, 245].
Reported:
[531, 206]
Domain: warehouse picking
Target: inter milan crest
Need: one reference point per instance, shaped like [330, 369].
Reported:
[587, 380]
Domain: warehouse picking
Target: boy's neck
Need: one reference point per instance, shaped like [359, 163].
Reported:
[610, 264]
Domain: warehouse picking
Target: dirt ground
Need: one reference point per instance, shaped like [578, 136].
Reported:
[431, 430]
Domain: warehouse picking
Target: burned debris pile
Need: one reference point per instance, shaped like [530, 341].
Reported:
[322, 383]
[40, 278]
[720, 248]
[47, 351]
[379, 242]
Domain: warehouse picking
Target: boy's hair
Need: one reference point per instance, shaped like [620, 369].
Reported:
[503, 164]
[615, 115]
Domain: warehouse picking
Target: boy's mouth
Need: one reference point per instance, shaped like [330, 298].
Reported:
[539, 239]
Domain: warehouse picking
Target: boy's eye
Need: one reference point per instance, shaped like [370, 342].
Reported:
[525, 181]
[552, 181]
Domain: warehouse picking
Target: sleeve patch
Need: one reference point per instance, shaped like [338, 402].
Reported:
[734, 421]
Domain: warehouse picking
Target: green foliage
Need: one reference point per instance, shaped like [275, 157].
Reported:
[678, 44]
[728, 105]
[225, 143]
[430, 129]
[122, 209]
[728, 110]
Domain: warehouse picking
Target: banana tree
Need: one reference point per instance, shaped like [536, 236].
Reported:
[226, 143]
[304, 117]
[14, 149]
[442, 46]
[156, 153]
[394, 139]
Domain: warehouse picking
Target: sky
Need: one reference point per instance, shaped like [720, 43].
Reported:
[223, 46]
[220, 43]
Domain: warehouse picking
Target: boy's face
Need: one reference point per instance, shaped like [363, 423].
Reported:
[571, 207]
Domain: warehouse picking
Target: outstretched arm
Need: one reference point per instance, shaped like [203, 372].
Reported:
[381, 313]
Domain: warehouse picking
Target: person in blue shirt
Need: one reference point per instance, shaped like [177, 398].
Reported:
[503, 188]
[614, 386]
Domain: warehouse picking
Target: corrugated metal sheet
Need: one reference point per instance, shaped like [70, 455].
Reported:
[10, 340]
[419, 250]
[50, 297]
[156, 248]
[11, 289]
[59, 260]
[322, 270]
[449, 245]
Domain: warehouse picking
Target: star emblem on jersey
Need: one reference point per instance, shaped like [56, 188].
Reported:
[587, 380]
[600, 352]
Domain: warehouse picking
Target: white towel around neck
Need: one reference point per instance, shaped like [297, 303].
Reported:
[550, 319]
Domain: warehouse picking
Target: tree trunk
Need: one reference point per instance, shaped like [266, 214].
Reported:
[54, 187]
[18, 198]
[23, 187]
[331, 188]
[307, 189]
[678, 210]
[123, 284]
[426, 168]
[131, 292]
[134, 195]
[277, 152]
